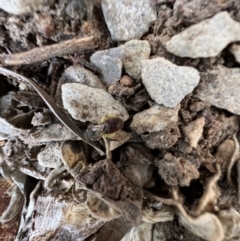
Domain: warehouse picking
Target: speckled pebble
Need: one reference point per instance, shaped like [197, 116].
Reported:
[90, 104]
[166, 82]
[206, 38]
[128, 20]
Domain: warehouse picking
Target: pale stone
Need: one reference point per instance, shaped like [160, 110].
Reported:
[128, 20]
[24, 6]
[166, 82]
[110, 63]
[205, 39]
[221, 89]
[90, 104]
[154, 119]
[134, 52]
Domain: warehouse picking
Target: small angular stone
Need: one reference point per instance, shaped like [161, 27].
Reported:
[110, 63]
[222, 89]
[205, 39]
[90, 104]
[166, 82]
[128, 20]
[154, 119]
[193, 131]
[78, 74]
[134, 52]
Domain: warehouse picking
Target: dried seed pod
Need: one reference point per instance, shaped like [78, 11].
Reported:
[109, 125]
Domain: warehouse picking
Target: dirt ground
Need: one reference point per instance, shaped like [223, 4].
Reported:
[156, 182]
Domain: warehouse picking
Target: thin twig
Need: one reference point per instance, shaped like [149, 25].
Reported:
[50, 51]
[53, 107]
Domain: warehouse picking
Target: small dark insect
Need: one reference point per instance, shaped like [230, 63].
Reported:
[109, 125]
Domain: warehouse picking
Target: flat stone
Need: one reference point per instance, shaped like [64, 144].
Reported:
[154, 119]
[166, 82]
[204, 39]
[235, 50]
[134, 52]
[77, 74]
[221, 89]
[90, 104]
[110, 63]
[128, 20]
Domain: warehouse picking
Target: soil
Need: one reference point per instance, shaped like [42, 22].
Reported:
[156, 162]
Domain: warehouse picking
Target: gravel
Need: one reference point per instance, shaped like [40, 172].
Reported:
[90, 104]
[166, 82]
[221, 89]
[128, 20]
[206, 38]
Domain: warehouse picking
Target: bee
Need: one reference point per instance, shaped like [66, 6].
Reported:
[108, 126]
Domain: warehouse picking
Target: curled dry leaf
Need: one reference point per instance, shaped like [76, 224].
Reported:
[206, 225]
[109, 184]
[211, 193]
[99, 209]
[52, 217]
[230, 220]
[15, 205]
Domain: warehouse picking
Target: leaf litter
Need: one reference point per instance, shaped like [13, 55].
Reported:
[113, 163]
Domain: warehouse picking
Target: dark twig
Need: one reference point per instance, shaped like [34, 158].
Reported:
[53, 107]
[50, 51]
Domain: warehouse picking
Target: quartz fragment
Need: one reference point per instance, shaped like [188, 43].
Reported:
[221, 89]
[204, 39]
[134, 52]
[193, 131]
[110, 63]
[90, 104]
[128, 19]
[154, 119]
[166, 82]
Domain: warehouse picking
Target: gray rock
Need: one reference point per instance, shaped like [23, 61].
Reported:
[77, 74]
[110, 63]
[166, 82]
[205, 39]
[134, 52]
[154, 119]
[235, 50]
[128, 20]
[90, 104]
[24, 6]
[221, 89]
